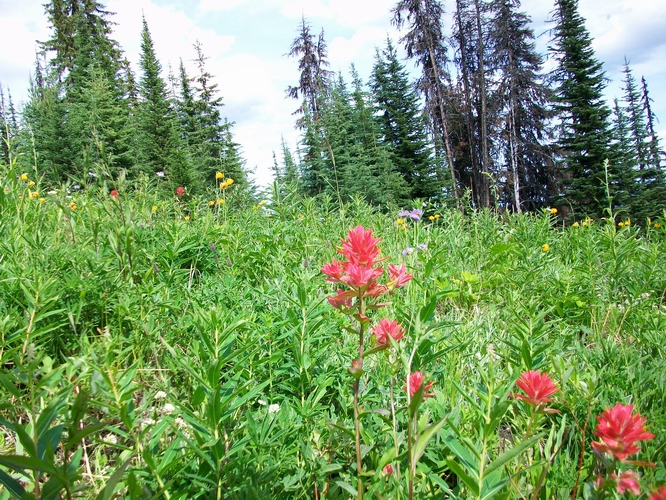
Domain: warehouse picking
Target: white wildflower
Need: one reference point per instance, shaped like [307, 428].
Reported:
[160, 395]
[146, 422]
[261, 402]
[180, 423]
[53, 191]
[168, 409]
[274, 408]
[110, 438]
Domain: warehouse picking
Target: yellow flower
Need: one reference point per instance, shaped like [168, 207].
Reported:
[24, 177]
[620, 224]
[187, 217]
[627, 222]
[301, 216]
[31, 183]
[220, 201]
[657, 225]
[211, 203]
[230, 181]
[219, 175]
[34, 195]
[154, 208]
[42, 200]
[432, 217]
[545, 247]
[575, 224]
[553, 211]
[400, 222]
[437, 216]
[72, 205]
[262, 203]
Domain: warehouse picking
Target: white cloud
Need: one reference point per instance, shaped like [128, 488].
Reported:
[349, 13]
[344, 51]
[172, 31]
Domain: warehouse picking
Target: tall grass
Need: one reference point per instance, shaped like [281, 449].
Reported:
[165, 348]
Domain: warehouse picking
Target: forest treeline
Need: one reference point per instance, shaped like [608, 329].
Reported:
[483, 125]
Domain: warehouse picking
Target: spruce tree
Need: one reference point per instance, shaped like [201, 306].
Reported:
[400, 126]
[584, 131]
[210, 132]
[159, 137]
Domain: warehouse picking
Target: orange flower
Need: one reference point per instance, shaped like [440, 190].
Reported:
[618, 431]
[537, 386]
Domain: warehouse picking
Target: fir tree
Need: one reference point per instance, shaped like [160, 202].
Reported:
[400, 126]
[159, 141]
[210, 132]
[584, 132]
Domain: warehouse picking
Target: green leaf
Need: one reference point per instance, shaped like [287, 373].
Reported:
[463, 476]
[7, 384]
[49, 414]
[18, 462]
[347, 487]
[513, 452]
[12, 485]
[110, 486]
[427, 311]
[423, 439]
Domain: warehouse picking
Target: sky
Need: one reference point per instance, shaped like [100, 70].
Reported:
[246, 42]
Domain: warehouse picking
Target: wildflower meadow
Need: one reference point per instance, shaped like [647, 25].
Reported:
[164, 345]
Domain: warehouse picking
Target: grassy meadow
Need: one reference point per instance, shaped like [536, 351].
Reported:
[180, 347]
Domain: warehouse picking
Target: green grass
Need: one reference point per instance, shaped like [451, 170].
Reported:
[103, 307]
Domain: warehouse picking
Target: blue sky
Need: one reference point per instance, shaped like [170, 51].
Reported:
[246, 42]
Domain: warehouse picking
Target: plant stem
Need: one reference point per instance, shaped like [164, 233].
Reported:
[357, 384]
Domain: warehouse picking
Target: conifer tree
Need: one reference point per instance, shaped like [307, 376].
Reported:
[45, 116]
[210, 132]
[159, 140]
[636, 117]
[314, 77]
[312, 90]
[653, 144]
[521, 99]
[400, 126]
[584, 132]
[425, 42]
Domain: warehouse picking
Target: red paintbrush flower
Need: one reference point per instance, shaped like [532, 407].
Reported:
[334, 271]
[538, 387]
[387, 327]
[618, 431]
[180, 191]
[342, 299]
[660, 494]
[414, 383]
[114, 194]
[360, 247]
[359, 276]
[627, 481]
[399, 276]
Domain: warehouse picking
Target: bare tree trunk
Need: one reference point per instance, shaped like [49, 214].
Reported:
[485, 160]
[468, 100]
